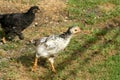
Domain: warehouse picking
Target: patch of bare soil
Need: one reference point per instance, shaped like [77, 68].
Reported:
[106, 6]
[110, 23]
[53, 10]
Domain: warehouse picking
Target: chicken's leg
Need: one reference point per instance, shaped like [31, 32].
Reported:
[52, 64]
[4, 40]
[35, 64]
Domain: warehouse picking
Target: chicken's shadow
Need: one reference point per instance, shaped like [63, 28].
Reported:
[28, 61]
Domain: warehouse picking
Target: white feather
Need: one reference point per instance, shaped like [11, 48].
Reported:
[51, 45]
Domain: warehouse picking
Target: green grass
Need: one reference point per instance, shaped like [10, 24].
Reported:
[90, 12]
[90, 56]
[107, 70]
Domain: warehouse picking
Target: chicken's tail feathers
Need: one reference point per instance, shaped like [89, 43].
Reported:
[1, 17]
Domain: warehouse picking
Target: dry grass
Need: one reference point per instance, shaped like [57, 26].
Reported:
[106, 6]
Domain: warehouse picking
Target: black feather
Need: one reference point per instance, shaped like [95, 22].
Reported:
[66, 34]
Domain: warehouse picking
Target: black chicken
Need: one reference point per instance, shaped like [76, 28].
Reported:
[13, 24]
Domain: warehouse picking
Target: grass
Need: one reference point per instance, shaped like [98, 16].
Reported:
[89, 56]
[93, 11]
[107, 70]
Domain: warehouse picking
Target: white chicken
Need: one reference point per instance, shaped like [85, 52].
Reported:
[48, 47]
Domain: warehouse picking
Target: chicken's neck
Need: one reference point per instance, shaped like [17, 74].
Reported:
[29, 13]
[66, 35]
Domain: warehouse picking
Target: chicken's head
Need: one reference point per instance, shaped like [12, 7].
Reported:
[34, 9]
[74, 29]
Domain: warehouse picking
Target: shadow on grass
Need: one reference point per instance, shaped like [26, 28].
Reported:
[78, 53]
[28, 60]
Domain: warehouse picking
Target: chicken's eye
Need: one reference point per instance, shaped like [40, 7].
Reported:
[75, 29]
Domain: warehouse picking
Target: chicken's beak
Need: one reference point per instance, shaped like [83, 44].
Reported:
[79, 30]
